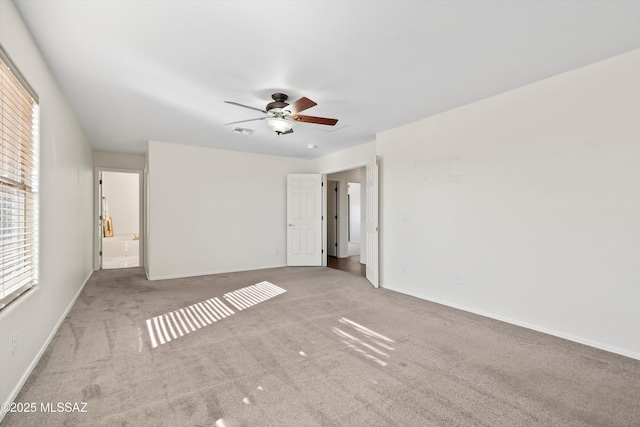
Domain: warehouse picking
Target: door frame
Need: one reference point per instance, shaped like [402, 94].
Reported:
[332, 193]
[97, 247]
[324, 209]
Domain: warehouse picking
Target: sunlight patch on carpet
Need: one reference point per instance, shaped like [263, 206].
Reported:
[252, 295]
[170, 326]
[369, 343]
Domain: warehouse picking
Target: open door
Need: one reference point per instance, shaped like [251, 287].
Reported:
[101, 217]
[304, 219]
[372, 222]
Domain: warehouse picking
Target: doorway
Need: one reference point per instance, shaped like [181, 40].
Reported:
[307, 219]
[344, 221]
[119, 231]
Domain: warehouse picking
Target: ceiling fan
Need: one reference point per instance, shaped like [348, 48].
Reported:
[281, 116]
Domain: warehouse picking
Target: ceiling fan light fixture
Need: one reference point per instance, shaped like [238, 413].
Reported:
[281, 116]
[279, 125]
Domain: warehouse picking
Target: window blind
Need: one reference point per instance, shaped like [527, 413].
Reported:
[18, 183]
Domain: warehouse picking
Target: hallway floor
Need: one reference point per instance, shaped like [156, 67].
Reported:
[350, 264]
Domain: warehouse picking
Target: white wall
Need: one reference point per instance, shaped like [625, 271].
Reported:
[65, 215]
[122, 192]
[350, 158]
[214, 211]
[110, 160]
[525, 206]
[354, 211]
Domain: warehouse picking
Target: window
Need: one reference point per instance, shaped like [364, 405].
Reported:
[18, 183]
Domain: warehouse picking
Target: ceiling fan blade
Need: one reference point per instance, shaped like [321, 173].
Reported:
[246, 106]
[300, 105]
[248, 120]
[318, 120]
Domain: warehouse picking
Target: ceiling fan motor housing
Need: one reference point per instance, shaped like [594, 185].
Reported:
[278, 101]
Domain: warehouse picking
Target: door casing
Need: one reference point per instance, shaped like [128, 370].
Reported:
[369, 250]
[97, 259]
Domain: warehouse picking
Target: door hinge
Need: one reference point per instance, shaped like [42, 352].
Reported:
[336, 216]
[336, 244]
[100, 253]
[335, 189]
[322, 251]
[100, 182]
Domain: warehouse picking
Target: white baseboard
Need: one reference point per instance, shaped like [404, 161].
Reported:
[553, 332]
[36, 359]
[208, 273]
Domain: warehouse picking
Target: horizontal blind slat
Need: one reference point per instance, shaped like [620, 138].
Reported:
[15, 270]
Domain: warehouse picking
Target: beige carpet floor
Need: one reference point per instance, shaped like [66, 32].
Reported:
[330, 351]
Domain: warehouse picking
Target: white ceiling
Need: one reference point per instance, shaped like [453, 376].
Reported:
[136, 70]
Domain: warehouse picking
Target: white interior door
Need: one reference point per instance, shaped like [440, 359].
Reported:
[372, 222]
[304, 220]
[100, 218]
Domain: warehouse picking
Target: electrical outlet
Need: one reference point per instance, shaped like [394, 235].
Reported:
[14, 342]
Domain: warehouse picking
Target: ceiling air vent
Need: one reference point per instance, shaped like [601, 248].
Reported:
[242, 131]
